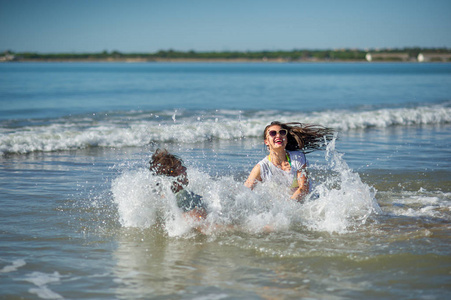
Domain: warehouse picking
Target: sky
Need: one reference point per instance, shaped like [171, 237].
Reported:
[136, 26]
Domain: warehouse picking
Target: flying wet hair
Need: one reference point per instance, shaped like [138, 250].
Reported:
[165, 163]
[305, 137]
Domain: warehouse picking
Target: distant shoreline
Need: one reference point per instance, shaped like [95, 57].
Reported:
[275, 61]
[294, 56]
[187, 60]
[183, 60]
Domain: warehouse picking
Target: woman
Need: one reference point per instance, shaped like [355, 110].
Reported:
[286, 163]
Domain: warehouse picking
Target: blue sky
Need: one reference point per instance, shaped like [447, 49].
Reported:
[49, 26]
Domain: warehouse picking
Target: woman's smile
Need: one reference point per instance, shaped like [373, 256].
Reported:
[279, 141]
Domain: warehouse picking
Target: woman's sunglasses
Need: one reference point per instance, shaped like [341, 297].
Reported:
[273, 133]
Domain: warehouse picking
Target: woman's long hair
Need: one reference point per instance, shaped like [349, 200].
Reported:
[305, 137]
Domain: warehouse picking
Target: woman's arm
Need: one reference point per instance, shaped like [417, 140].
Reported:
[253, 177]
[303, 183]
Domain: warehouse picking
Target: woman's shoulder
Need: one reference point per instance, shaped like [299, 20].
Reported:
[264, 161]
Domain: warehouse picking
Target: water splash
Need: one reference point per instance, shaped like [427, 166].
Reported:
[340, 202]
[145, 200]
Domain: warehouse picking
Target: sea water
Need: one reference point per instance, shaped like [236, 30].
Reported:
[80, 218]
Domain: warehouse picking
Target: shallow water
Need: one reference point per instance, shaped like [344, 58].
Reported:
[62, 236]
[79, 219]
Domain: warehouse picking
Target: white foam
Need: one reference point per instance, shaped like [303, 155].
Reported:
[140, 128]
[144, 199]
[44, 292]
[15, 265]
[136, 202]
[346, 120]
[422, 203]
[340, 203]
[41, 280]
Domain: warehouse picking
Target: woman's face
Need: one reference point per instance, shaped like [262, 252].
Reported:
[275, 139]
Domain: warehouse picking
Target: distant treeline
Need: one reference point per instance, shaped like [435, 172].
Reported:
[293, 55]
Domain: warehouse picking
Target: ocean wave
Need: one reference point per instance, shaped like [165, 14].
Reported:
[139, 128]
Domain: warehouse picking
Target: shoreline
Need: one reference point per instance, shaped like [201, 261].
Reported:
[279, 56]
[188, 60]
